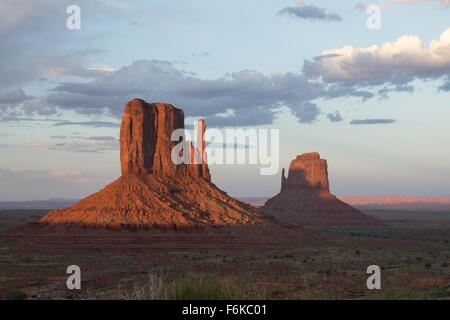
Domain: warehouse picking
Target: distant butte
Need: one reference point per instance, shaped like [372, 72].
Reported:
[154, 192]
[305, 197]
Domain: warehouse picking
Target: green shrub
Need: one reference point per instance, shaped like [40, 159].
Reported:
[214, 287]
[193, 287]
[439, 293]
[16, 295]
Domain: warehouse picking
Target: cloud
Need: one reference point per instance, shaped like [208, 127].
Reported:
[38, 107]
[364, 6]
[398, 62]
[306, 112]
[26, 42]
[37, 44]
[12, 118]
[102, 138]
[373, 121]
[13, 97]
[248, 93]
[95, 138]
[35, 35]
[445, 86]
[101, 69]
[68, 65]
[94, 124]
[310, 12]
[361, 6]
[61, 122]
[334, 117]
[89, 146]
[242, 118]
[349, 90]
[91, 88]
[10, 100]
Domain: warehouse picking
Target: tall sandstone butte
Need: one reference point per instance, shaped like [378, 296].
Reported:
[146, 145]
[153, 191]
[305, 197]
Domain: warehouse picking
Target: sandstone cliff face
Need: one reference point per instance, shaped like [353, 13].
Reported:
[153, 190]
[305, 197]
[145, 141]
[145, 137]
[309, 172]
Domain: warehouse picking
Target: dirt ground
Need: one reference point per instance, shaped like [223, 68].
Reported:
[281, 262]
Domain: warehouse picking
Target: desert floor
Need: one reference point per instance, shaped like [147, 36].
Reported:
[271, 262]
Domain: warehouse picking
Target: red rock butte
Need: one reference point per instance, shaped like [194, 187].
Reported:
[305, 197]
[153, 191]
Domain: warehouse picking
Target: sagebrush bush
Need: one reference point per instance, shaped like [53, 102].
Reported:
[16, 295]
[195, 287]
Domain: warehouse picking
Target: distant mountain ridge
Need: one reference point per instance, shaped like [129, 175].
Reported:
[364, 202]
[381, 202]
[54, 203]
[367, 200]
[399, 202]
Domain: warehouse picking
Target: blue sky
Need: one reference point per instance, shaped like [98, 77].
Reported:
[62, 91]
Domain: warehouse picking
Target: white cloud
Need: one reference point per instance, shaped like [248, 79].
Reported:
[404, 59]
[101, 69]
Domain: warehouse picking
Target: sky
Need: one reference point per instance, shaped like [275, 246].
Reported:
[374, 102]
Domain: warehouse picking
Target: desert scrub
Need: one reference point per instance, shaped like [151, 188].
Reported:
[411, 294]
[213, 287]
[439, 293]
[154, 288]
[194, 287]
[396, 294]
[16, 295]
